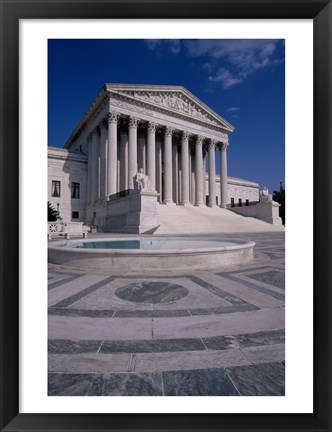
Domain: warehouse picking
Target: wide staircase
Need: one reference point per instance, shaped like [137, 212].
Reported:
[176, 219]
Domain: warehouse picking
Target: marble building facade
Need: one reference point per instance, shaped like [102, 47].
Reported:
[164, 130]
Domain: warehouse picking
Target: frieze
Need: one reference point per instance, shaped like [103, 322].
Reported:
[174, 101]
[132, 107]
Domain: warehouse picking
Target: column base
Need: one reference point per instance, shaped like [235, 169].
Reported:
[186, 204]
[199, 205]
[212, 205]
[223, 206]
[169, 203]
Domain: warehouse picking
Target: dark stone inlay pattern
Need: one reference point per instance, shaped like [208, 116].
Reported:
[81, 313]
[223, 310]
[245, 340]
[266, 379]
[63, 281]
[200, 382]
[63, 346]
[215, 290]
[273, 277]
[152, 314]
[279, 296]
[150, 346]
[151, 292]
[127, 384]
[69, 384]
[74, 298]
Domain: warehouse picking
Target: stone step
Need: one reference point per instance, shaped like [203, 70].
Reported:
[178, 219]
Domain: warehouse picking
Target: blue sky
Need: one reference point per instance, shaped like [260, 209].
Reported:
[243, 80]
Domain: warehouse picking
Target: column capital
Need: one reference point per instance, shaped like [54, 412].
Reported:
[212, 144]
[152, 127]
[169, 131]
[223, 146]
[133, 122]
[186, 135]
[113, 117]
[199, 139]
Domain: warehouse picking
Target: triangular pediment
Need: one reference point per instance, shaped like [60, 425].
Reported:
[171, 98]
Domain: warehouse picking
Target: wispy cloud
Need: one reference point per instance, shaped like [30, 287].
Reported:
[173, 45]
[232, 109]
[227, 61]
[227, 79]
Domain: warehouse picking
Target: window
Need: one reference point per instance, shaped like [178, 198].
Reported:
[232, 202]
[55, 188]
[240, 202]
[75, 215]
[247, 202]
[75, 190]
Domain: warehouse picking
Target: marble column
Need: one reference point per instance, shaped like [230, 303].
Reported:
[175, 173]
[212, 174]
[89, 194]
[112, 153]
[204, 175]
[185, 168]
[123, 158]
[223, 175]
[103, 159]
[158, 167]
[151, 154]
[199, 171]
[141, 151]
[132, 155]
[168, 166]
[94, 165]
[98, 163]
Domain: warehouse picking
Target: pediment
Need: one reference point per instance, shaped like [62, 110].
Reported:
[176, 99]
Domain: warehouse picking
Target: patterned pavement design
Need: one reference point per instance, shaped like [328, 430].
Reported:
[200, 333]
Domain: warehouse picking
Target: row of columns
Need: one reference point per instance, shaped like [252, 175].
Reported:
[103, 162]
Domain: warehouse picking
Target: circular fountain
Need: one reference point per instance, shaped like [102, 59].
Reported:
[150, 253]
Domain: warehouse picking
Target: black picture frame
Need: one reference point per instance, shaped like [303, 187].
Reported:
[11, 12]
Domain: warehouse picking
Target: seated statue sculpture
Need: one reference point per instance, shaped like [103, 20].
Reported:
[142, 180]
[265, 196]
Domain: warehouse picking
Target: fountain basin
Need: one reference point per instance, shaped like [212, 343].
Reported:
[150, 253]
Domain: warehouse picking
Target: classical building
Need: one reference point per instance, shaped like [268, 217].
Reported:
[163, 131]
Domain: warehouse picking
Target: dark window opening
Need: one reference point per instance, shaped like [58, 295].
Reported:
[247, 202]
[232, 202]
[75, 215]
[56, 188]
[240, 202]
[75, 190]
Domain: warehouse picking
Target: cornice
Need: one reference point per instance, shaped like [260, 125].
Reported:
[64, 154]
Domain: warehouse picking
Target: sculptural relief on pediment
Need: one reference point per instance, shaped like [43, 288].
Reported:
[175, 101]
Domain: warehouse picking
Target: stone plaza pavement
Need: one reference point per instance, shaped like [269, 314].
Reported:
[199, 333]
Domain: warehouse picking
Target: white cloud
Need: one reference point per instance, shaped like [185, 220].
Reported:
[226, 78]
[232, 109]
[228, 61]
[234, 60]
[173, 45]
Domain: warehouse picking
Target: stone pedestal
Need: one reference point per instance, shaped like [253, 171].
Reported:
[136, 213]
[268, 211]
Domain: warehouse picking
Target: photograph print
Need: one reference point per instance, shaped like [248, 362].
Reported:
[166, 217]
